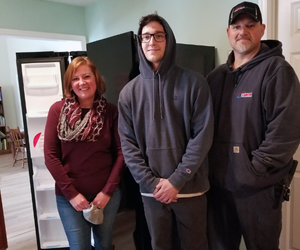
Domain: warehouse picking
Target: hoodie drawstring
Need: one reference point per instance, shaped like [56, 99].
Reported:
[159, 92]
[153, 97]
[160, 96]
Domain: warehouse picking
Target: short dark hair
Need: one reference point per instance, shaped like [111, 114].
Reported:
[75, 63]
[147, 19]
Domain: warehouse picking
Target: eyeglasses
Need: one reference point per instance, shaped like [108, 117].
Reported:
[158, 37]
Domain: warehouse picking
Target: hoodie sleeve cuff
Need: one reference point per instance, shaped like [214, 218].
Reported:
[176, 181]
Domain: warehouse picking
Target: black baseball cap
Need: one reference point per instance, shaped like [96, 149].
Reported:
[251, 9]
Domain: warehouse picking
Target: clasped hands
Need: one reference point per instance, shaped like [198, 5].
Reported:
[165, 192]
[79, 202]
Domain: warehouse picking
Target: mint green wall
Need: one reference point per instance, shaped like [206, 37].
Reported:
[200, 22]
[42, 16]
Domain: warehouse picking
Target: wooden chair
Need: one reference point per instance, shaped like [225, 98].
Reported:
[18, 141]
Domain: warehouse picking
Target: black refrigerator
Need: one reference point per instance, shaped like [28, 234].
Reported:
[40, 77]
[117, 60]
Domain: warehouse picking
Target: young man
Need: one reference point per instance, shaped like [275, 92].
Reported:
[256, 99]
[166, 129]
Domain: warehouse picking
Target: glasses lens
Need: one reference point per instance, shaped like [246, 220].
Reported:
[159, 37]
[145, 38]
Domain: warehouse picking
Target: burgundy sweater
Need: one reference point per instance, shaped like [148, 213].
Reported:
[84, 167]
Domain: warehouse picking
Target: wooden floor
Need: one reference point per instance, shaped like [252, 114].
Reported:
[18, 212]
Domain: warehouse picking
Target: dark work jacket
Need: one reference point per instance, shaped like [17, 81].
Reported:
[257, 120]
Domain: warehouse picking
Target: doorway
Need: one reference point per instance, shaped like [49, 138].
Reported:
[13, 41]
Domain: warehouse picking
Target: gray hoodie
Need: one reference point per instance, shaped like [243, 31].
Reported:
[166, 124]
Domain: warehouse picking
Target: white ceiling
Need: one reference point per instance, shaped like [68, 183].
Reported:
[82, 3]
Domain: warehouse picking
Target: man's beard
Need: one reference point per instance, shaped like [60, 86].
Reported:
[244, 48]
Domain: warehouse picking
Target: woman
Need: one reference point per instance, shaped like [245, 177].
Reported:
[83, 153]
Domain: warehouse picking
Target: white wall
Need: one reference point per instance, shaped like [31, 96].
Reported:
[9, 83]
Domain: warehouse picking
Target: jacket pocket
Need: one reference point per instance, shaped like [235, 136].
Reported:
[230, 167]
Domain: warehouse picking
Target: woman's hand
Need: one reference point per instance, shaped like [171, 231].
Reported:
[101, 200]
[79, 202]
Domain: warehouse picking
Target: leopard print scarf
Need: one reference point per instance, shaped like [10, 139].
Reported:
[72, 128]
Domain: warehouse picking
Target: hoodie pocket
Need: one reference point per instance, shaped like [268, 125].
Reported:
[230, 167]
[163, 161]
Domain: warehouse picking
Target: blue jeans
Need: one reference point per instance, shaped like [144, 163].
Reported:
[78, 230]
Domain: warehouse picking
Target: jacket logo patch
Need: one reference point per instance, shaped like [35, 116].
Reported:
[244, 94]
[236, 149]
[188, 171]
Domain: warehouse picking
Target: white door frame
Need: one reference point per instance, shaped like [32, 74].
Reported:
[269, 11]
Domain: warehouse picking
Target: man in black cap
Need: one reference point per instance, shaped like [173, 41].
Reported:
[256, 96]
